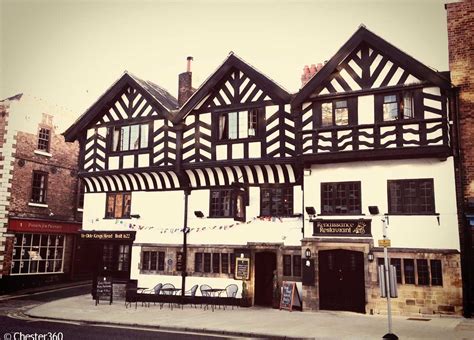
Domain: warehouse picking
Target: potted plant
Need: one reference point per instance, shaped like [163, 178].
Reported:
[246, 300]
[276, 291]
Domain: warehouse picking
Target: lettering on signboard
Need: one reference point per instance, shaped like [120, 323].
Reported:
[242, 269]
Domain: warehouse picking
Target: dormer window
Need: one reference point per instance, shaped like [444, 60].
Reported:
[43, 139]
[398, 106]
[238, 124]
[130, 137]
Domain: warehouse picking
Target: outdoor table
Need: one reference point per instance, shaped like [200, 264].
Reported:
[137, 290]
[214, 292]
[171, 291]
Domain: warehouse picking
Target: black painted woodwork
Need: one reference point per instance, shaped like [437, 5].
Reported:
[265, 264]
[341, 280]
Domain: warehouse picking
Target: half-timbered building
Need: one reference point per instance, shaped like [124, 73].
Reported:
[243, 169]
[375, 144]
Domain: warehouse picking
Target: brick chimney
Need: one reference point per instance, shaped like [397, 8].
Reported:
[185, 88]
[309, 72]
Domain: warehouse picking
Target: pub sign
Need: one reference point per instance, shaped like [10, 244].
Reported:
[351, 228]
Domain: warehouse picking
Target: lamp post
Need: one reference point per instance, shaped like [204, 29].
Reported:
[187, 192]
[389, 335]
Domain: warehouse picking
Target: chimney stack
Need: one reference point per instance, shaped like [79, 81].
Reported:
[185, 89]
[309, 72]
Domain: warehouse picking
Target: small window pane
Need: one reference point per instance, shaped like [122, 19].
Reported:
[116, 139]
[326, 114]
[216, 263]
[125, 138]
[144, 136]
[198, 262]
[207, 262]
[134, 137]
[243, 125]
[390, 108]
[423, 273]
[233, 125]
[161, 260]
[296, 265]
[286, 265]
[436, 273]
[43, 139]
[409, 271]
[408, 106]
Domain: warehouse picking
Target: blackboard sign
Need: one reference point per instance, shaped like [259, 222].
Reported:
[242, 269]
[289, 296]
[103, 289]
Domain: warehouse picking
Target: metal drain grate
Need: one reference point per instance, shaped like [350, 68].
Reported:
[418, 319]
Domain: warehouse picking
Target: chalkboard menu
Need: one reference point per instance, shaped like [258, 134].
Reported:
[103, 289]
[242, 269]
[289, 296]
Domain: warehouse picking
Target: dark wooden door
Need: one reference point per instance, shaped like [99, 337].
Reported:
[341, 280]
[265, 264]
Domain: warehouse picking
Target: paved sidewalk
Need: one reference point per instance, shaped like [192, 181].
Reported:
[41, 289]
[257, 321]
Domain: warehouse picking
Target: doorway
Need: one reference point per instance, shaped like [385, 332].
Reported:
[341, 280]
[265, 264]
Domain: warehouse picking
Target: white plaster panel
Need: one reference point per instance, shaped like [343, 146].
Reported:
[255, 150]
[128, 161]
[238, 151]
[365, 108]
[404, 231]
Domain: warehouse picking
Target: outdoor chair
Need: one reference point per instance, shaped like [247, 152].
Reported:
[191, 293]
[167, 293]
[231, 291]
[206, 294]
[155, 290]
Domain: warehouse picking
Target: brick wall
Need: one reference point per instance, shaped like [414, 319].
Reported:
[461, 60]
[61, 196]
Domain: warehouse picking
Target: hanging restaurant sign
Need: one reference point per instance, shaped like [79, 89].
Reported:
[352, 228]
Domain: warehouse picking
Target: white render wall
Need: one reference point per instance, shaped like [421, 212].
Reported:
[405, 231]
[162, 218]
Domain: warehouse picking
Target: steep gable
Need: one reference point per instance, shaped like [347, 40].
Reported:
[234, 82]
[127, 99]
[367, 61]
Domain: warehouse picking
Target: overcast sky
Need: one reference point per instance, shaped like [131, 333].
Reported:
[70, 52]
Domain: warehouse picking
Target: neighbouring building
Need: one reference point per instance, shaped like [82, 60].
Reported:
[40, 213]
[242, 170]
[460, 16]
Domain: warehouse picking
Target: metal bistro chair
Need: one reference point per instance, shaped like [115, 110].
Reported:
[167, 292]
[231, 291]
[205, 293]
[155, 290]
[191, 293]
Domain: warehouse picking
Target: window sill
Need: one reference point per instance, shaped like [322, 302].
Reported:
[340, 215]
[80, 209]
[412, 214]
[238, 140]
[37, 205]
[117, 218]
[43, 153]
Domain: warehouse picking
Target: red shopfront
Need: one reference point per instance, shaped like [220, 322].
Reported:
[38, 252]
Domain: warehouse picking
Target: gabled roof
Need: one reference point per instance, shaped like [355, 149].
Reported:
[158, 97]
[364, 35]
[275, 91]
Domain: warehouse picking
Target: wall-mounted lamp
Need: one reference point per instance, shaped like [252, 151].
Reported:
[373, 209]
[135, 216]
[242, 255]
[310, 211]
[307, 253]
[199, 214]
[370, 256]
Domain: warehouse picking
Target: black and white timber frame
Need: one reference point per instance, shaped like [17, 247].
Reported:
[184, 151]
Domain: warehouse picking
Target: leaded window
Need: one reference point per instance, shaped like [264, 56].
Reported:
[118, 205]
[44, 139]
[341, 198]
[276, 201]
[130, 137]
[398, 106]
[335, 113]
[411, 196]
[238, 124]
[38, 190]
[221, 203]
